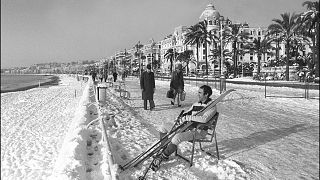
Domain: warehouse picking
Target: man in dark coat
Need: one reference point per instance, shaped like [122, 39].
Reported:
[115, 75]
[105, 74]
[147, 85]
[93, 74]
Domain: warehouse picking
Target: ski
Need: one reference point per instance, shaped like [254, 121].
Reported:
[174, 128]
[215, 102]
[184, 127]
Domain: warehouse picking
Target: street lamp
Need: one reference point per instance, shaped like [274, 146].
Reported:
[222, 23]
[139, 55]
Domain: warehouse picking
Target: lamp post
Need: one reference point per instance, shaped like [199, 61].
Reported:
[138, 53]
[222, 23]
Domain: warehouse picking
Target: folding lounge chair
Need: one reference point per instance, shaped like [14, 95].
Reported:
[211, 124]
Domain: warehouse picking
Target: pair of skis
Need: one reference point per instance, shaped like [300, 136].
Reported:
[162, 143]
[148, 153]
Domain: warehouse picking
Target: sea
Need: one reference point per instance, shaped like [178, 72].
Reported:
[18, 82]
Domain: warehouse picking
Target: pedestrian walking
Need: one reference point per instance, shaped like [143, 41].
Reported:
[105, 75]
[93, 75]
[100, 76]
[115, 75]
[123, 76]
[147, 85]
[177, 84]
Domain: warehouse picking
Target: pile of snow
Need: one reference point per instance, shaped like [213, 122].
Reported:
[71, 161]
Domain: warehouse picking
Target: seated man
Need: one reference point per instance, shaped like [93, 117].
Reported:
[204, 94]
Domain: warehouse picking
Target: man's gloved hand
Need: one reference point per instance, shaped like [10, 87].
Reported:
[184, 119]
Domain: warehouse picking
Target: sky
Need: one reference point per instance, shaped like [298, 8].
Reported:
[41, 31]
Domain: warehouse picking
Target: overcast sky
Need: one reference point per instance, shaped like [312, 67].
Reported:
[37, 31]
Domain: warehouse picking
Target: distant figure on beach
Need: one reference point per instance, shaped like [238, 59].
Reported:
[115, 75]
[147, 85]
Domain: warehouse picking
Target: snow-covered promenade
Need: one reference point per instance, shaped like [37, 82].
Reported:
[271, 138]
[259, 138]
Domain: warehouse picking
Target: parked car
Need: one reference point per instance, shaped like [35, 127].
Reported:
[231, 76]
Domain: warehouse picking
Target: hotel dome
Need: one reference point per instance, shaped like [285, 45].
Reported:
[210, 13]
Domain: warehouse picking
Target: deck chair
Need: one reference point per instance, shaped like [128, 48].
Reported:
[211, 124]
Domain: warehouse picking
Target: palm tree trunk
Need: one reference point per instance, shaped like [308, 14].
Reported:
[287, 61]
[197, 57]
[316, 50]
[206, 58]
[235, 58]
[171, 61]
[259, 62]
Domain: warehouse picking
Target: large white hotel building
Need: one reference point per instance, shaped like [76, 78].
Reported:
[153, 50]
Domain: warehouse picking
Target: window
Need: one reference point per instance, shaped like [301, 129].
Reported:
[251, 58]
[259, 33]
[210, 22]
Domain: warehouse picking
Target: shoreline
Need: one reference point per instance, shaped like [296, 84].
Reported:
[53, 80]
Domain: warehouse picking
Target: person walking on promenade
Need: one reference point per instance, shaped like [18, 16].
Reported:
[105, 75]
[147, 85]
[177, 84]
[100, 75]
[93, 74]
[204, 99]
[115, 75]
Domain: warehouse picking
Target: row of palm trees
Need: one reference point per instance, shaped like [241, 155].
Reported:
[291, 29]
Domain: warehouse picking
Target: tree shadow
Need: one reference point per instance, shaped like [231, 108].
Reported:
[238, 145]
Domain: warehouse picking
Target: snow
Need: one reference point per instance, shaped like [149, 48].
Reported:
[48, 133]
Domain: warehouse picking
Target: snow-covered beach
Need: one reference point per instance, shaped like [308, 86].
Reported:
[44, 134]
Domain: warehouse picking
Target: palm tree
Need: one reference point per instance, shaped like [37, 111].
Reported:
[256, 47]
[311, 19]
[266, 46]
[286, 28]
[234, 36]
[205, 37]
[170, 55]
[216, 53]
[192, 38]
[185, 56]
